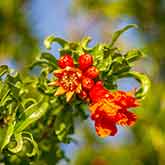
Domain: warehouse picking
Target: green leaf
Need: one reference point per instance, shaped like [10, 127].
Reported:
[9, 133]
[84, 42]
[64, 124]
[49, 57]
[28, 102]
[45, 60]
[117, 34]
[98, 54]
[50, 39]
[28, 111]
[133, 55]
[119, 65]
[104, 66]
[4, 95]
[144, 83]
[19, 145]
[81, 110]
[42, 84]
[3, 70]
[39, 62]
[102, 56]
[34, 144]
[38, 112]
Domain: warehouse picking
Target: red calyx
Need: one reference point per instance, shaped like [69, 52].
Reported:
[98, 92]
[65, 61]
[92, 72]
[87, 83]
[85, 61]
[83, 95]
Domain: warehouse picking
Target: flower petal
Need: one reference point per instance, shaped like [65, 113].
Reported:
[58, 71]
[125, 99]
[131, 118]
[60, 91]
[69, 95]
[105, 128]
[54, 83]
[104, 124]
[125, 118]
[79, 88]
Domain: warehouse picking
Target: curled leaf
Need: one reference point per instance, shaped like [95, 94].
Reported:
[29, 101]
[144, 83]
[49, 57]
[19, 145]
[85, 41]
[35, 149]
[50, 39]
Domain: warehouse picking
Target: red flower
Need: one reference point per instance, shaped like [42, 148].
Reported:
[69, 81]
[85, 61]
[98, 92]
[65, 61]
[108, 109]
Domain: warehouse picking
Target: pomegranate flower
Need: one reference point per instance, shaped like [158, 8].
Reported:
[69, 82]
[72, 79]
[110, 108]
[68, 78]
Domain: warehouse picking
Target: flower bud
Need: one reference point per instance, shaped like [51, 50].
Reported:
[87, 83]
[85, 61]
[65, 61]
[92, 72]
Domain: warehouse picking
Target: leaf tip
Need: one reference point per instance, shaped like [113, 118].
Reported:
[48, 41]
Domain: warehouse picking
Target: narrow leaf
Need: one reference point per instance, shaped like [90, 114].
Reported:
[117, 34]
[133, 55]
[33, 117]
[9, 133]
[85, 41]
[3, 69]
[49, 57]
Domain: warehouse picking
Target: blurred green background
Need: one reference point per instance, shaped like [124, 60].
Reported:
[25, 23]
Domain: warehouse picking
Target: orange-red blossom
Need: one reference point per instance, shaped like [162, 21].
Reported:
[109, 109]
[69, 82]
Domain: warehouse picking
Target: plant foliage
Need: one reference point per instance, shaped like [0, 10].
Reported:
[34, 122]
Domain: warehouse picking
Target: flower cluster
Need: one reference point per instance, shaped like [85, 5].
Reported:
[107, 108]
[72, 79]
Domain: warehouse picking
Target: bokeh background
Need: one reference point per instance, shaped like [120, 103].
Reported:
[25, 23]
